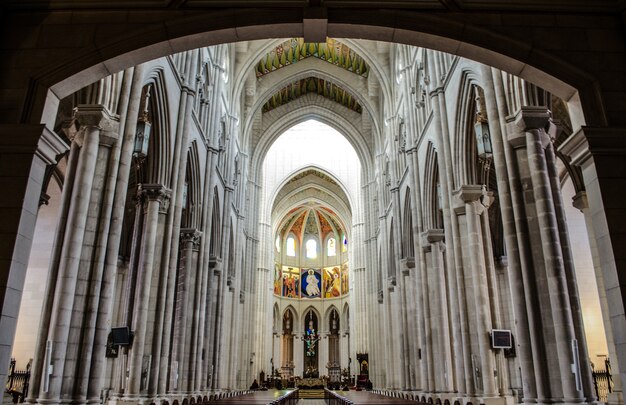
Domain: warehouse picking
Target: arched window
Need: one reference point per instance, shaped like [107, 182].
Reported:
[291, 246]
[344, 243]
[311, 249]
[278, 244]
[331, 249]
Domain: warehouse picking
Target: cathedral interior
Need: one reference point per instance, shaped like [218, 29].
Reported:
[421, 198]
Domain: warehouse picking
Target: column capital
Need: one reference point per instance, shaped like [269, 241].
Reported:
[191, 235]
[98, 116]
[474, 194]
[580, 202]
[529, 118]
[470, 192]
[155, 192]
[433, 236]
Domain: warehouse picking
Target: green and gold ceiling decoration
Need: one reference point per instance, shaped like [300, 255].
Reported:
[296, 49]
[312, 85]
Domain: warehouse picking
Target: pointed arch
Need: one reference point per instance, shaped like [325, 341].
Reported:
[193, 189]
[345, 316]
[159, 169]
[276, 318]
[216, 229]
[391, 262]
[432, 191]
[328, 313]
[408, 241]
[465, 153]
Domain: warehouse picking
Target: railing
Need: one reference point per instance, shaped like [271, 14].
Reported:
[332, 398]
[17, 382]
[603, 381]
[290, 398]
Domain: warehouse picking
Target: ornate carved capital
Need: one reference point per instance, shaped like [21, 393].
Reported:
[191, 235]
[156, 192]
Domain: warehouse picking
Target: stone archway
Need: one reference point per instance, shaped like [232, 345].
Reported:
[70, 65]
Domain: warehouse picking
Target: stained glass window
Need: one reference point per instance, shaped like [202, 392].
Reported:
[331, 249]
[311, 249]
[291, 246]
[344, 243]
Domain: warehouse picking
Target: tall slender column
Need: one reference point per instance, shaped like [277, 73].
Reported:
[157, 198]
[298, 354]
[97, 126]
[428, 346]
[190, 239]
[509, 189]
[557, 325]
[472, 209]
[570, 274]
[432, 242]
[97, 290]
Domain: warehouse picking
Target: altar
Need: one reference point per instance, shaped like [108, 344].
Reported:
[311, 383]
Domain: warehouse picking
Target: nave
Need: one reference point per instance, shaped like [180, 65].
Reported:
[322, 211]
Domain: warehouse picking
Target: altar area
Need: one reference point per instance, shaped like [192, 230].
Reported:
[311, 383]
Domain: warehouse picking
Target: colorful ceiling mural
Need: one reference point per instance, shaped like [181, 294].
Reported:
[311, 220]
[295, 49]
[312, 85]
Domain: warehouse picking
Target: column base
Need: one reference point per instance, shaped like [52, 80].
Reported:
[508, 400]
[615, 398]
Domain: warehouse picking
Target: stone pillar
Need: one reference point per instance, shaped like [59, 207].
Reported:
[76, 301]
[600, 153]
[190, 239]
[323, 347]
[554, 326]
[25, 151]
[428, 346]
[298, 354]
[515, 233]
[434, 248]
[570, 273]
[157, 200]
[470, 209]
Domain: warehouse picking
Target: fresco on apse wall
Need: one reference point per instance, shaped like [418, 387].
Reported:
[311, 283]
[291, 282]
[332, 282]
[277, 279]
[345, 285]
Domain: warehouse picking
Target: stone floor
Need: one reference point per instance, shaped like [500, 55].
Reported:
[311, 402]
